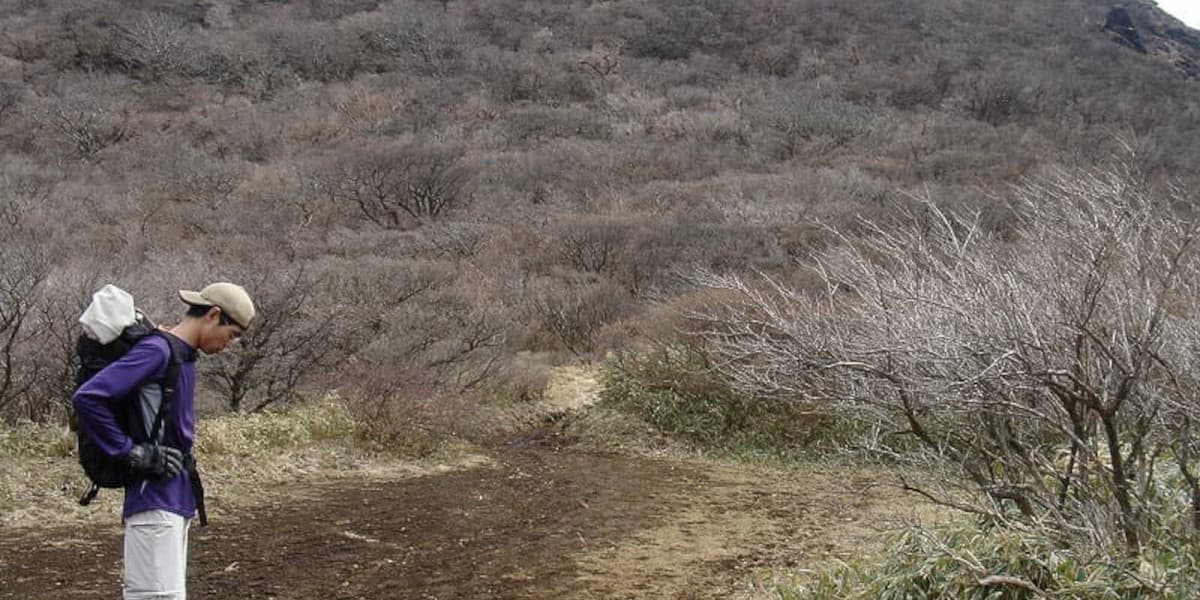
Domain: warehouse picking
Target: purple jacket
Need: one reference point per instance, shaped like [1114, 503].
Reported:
[145, 363]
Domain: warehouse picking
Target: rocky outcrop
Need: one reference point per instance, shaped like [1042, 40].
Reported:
[1143, 27]
[1120, 23]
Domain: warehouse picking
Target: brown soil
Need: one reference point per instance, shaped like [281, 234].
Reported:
[541, 521]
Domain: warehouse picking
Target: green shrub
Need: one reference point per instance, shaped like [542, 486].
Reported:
[677, 392]
[972, 562]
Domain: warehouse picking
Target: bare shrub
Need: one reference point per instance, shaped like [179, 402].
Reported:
[926, 85]
[51, 352]
[451, 338]
[11, 95]
[278, 195]
[92, 39]
[1047, 379]
[1039, 371]
[675, 33]
[631, 251]
[518, 77]
[402, 416]
[458, 241]
[410, 38]
[182, 187]
[239, 131]
[24, 269]
[721, 124]
[396, 186]
[85, 124]
[318, 51]
[540, 123]
[365, 111]
[434, 326]
[654, 249]
[572, 314]
[996, 99]
[592, 244]
[796, 122]
[776, 60]
[152, 45]
[294, 337]
[505, 23]
[332, 10]
[22, 275]
[603, 63]
[244, 62]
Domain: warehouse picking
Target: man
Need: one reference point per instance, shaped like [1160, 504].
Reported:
[159, 507]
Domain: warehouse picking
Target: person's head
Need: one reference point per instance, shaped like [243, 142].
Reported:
[221, 312]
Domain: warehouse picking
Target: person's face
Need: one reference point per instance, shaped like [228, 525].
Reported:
[218, 332]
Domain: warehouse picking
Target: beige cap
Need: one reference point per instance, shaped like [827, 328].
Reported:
[231, 299]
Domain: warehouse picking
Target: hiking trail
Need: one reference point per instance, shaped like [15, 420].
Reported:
[541, 519]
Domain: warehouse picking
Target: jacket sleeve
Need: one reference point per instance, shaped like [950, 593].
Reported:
[145, 362]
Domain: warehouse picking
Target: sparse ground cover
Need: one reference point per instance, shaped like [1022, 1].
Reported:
[576, 508]
[244, 458]
[539, 521]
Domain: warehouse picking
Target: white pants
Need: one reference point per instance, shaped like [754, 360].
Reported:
[155, 556]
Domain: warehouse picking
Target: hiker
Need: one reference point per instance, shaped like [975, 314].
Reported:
[166, 495]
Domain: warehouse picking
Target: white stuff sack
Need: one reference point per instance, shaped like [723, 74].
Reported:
[110, 312]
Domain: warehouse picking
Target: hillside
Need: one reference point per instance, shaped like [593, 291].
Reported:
[630, 297]
[1144, 28]
[419, 192]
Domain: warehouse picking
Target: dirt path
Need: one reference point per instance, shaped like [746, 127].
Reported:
[541, 522]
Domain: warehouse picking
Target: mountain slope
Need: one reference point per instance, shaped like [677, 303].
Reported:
[574, 158]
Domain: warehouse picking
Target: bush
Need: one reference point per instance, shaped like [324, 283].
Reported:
[85, 120]
[569, 316]
[795, 122]
[318, 51]
[153, 46]
[677, 32]
[25, 267]
[541, 123]
[243, 63]
[676, 390]
[412, 39]
[996, 99]
[1044, 377]
[971, 562]
[399, 414]
[520, 77]
[396, 186]
[297, 334]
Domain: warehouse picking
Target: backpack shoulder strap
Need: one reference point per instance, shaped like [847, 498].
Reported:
[168, 396]
[167, 384]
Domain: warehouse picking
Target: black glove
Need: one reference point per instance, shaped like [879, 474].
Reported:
[156, 462]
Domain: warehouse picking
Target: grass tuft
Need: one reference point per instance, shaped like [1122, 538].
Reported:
[677, 392]
[242, 459]
[963, 560]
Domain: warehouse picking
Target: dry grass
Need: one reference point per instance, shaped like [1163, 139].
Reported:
[244, 459]
[572, 388]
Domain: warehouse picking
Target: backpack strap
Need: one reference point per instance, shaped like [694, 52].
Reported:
[168, 384]
[90, 494]
[189, 465]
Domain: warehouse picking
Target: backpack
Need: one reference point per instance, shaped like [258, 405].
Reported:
[93, 355]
